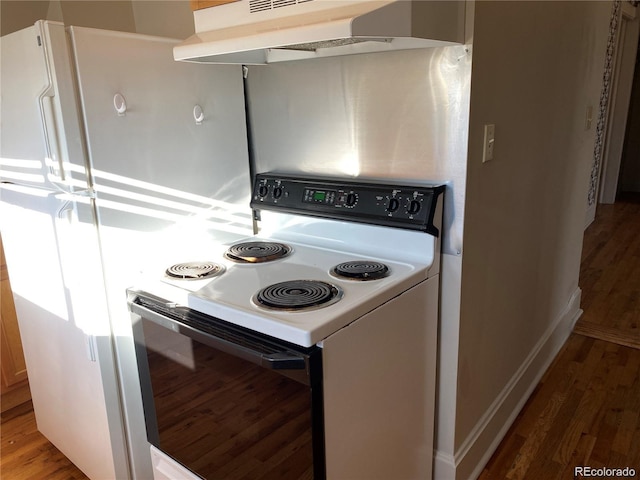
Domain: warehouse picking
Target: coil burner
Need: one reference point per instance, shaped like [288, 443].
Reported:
[298, 295]
[257, 252]
[194, 270]
[360, 270]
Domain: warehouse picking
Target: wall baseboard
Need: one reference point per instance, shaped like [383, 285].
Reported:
[590, 216]
[476, 450]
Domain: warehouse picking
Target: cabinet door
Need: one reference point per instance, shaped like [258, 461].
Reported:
[13, 367]
[199, 4]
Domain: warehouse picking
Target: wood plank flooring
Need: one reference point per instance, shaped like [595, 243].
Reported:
[585, 411]
[25, 454]
[610, 274]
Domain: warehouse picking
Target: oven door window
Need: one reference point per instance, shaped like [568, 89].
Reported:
[221, 416]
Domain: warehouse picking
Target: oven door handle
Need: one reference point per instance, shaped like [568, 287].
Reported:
[283, 360]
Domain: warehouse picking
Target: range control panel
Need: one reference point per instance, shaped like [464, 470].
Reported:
[402, 206]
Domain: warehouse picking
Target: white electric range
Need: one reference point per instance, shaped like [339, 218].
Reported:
[338, 294]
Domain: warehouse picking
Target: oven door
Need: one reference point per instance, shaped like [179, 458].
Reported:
[224, 401]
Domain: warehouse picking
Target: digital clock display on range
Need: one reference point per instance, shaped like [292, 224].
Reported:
[325, 197]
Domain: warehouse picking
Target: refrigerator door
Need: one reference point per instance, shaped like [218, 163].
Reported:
[167, 147]
[59, 298]
[53, 257]
[42, 142]
[166, 141]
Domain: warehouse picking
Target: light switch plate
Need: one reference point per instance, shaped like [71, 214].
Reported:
[489, 142]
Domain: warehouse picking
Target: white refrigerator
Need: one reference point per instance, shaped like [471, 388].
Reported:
[114, 158]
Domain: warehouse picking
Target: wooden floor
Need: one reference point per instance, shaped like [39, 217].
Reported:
[584, 412]
[25, 454]
[586, 409]
[610, 274]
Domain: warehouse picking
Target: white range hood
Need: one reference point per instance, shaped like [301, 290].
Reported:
[265, 31]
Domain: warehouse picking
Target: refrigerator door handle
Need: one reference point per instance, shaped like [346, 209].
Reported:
[90, 345]
[53, 159]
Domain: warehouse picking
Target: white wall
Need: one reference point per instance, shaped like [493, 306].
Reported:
[166, 18]
[537, 66]
[15, 15]
[169, 18]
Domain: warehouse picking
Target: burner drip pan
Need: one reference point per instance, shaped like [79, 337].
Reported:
[295, 295]
[257, 252]
[194, 270]
[360, 270]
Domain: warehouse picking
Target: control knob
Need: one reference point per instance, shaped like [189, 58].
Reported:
[393, 205]
[277, 192]
[414, 207]
[352, 198]
[263, 190]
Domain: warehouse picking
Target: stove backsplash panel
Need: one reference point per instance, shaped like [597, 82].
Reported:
[393, 115]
